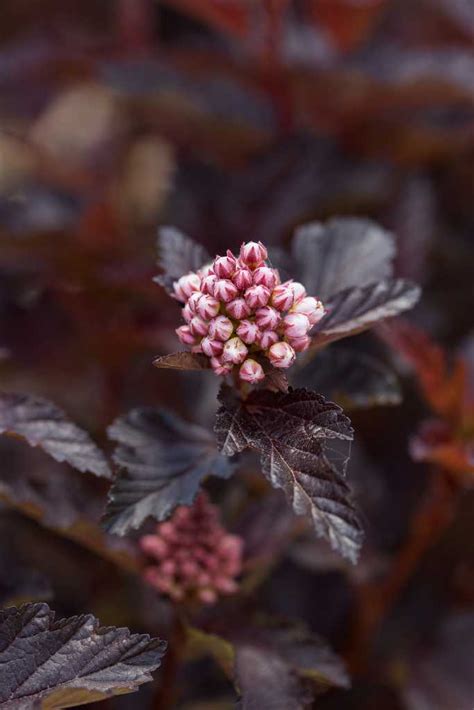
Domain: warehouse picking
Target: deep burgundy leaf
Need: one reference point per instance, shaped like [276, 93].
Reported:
[177, 255]
[182, 361]
[282, 667]
[43, 424]
[352, 379]
[291, 433]
[341, 254]
[68, 662]
[356, 309]
[164, 461]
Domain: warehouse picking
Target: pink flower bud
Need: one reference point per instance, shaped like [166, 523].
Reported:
[220, 328]
[167, 531]
[234, 351]
[208, 283]
[281, 355]
[198, 326]
[185, 286]
[211, 348]
[264, 276]
[248, 331]
[224, 290]
[205, 270]
[207, 596]
[257, 296]
[296, 325]
[154, 546]
[267, 317]
[193, 301]
[268, 338]
[299, 345]
[219, 367]
[252, 254]
[187, 313]
[298, 289]
[168, 567]
[243, 279]
[225, 585]
[196, 348]
[224, 266]
[208, 307]
[185, 335]
[251, 371]
[238, 309]
[282, 297]
[311, 308]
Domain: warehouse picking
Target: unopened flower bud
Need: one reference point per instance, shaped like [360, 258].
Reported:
[301, 344]
[208, 307]
[154, 546]
[187, 313]
[185, 286]
[211, 348]
[264, 276]
[267, 317]
[234, 351]
[252, 254]
[248, 331]
[207, 596]
[224, 290]
[251, 371]
[185, 335]
[238, 309]
[257, 296]
[198, 326]
[219, 367]
[296, 325]
[282, 297]
[242, 278]
[267, 338]
[193, 301]
[221, 328]
[281, 355]
[208, 283]
[311, 308]
[298, 289]
[224, 266]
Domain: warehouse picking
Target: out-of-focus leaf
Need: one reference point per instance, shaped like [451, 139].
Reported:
[357, 309]
[352, 379]
[20, 583]
[43, 424]
[441, 678]
[165, 460]
[60, 499]
[177, 255]
[291, 432]
[341, 254]
[182, 361]
[281, 668]
[67, 662]
[438, 443]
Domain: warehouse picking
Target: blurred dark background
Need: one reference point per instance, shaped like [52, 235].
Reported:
[233, 120]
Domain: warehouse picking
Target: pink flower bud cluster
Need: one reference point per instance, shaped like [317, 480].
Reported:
[193, 557]
[237, 307]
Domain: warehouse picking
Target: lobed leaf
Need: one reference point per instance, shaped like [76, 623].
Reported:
[44, 424]
[164, 461]
[182, 361]
[290, 432]
[352, 379]
[345, 252]
[356, 309]
[52, 663]
[177, 255]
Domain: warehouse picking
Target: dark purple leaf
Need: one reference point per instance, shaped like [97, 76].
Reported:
[356, 309]
[43, 424]
[341, 254]
[352, 379]
[67, 662]
[182, 361]
[177, 255]
[291, 433]
[284, 668]
[164, 461]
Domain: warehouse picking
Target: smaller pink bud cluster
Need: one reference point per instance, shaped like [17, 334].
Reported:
[237, 307]
[193, 557]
